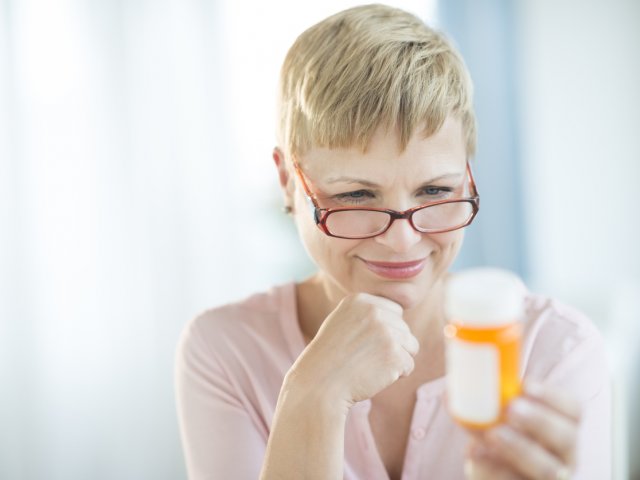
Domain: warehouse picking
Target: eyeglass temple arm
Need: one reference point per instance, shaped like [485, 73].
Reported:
[472, 182]
[300, 174]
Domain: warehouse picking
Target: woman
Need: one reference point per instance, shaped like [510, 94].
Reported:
[341, 375]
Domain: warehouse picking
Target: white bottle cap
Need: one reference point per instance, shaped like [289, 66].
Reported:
[484, 297]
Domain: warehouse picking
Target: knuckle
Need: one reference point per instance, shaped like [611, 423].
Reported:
[361, 297]
[355, 299]
[378, 313]
[390, 356]
[379, 329]
[410, 365]
[370, 310]
[390, 351]
[414, 345]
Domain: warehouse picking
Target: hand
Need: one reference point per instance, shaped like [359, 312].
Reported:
[538, 441]
[362, 347]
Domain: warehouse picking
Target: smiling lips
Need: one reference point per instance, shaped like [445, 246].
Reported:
[396, 270]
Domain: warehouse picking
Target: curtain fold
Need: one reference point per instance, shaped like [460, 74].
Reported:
[136, 189]
[110, 179]
[484, 33]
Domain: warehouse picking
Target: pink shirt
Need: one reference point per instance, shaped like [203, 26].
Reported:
[231, 362]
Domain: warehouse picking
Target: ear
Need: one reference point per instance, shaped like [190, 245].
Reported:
[283, 174]
[278, 158]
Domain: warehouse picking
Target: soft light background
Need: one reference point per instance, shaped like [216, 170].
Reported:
[137, 189]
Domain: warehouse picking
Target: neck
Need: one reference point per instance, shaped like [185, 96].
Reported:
[427, 320]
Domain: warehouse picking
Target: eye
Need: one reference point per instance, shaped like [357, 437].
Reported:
[436, 191]
[357, 196]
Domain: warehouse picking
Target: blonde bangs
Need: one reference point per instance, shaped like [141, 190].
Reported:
[366, 68]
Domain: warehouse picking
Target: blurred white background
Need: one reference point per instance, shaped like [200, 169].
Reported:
[137, 189]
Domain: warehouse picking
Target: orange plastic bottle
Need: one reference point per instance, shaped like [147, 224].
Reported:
[484, 309]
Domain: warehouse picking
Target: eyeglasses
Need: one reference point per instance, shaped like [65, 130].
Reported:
[364, 222]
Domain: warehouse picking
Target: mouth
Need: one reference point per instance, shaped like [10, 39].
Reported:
[396, 270]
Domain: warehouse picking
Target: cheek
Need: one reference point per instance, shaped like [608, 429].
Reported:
[308, 233]
[322, 249]
[448, 239]
[448, 246]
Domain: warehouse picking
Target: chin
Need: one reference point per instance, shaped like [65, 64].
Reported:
[406, 294]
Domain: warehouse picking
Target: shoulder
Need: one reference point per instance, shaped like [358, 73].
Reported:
[562, 343]
[253, 312]
[248, 329]
[240, 321]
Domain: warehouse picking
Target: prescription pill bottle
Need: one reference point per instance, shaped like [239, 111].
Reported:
[484, 309]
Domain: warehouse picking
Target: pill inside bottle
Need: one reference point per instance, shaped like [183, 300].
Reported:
[484, 309]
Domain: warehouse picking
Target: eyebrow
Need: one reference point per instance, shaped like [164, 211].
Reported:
[371, 184]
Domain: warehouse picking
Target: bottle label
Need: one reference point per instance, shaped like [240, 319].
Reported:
[473, 381]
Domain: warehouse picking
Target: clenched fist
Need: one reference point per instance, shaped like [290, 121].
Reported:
[362, 347]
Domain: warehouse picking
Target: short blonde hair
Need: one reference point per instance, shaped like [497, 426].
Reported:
[367, 67]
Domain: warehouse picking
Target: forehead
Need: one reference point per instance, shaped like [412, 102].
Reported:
[443, 152]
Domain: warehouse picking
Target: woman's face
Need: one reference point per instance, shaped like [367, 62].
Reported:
[383, 177]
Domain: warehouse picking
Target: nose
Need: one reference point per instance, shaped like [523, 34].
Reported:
[400, 237]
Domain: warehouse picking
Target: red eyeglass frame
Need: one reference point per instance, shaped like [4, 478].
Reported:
[320, 214]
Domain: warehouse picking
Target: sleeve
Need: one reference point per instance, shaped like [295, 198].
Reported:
[585, 374]
[218, 437]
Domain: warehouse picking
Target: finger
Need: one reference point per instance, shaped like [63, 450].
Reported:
[381, 302]
[396, 322]
[551, 429]
[402, 333]
[554, 398]
[482, 468]
[412, 345]
[407, 363]
[407, 341]
[484, 464]
[522, 454]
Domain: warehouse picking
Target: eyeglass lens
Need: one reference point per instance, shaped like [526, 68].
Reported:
[362, 223]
